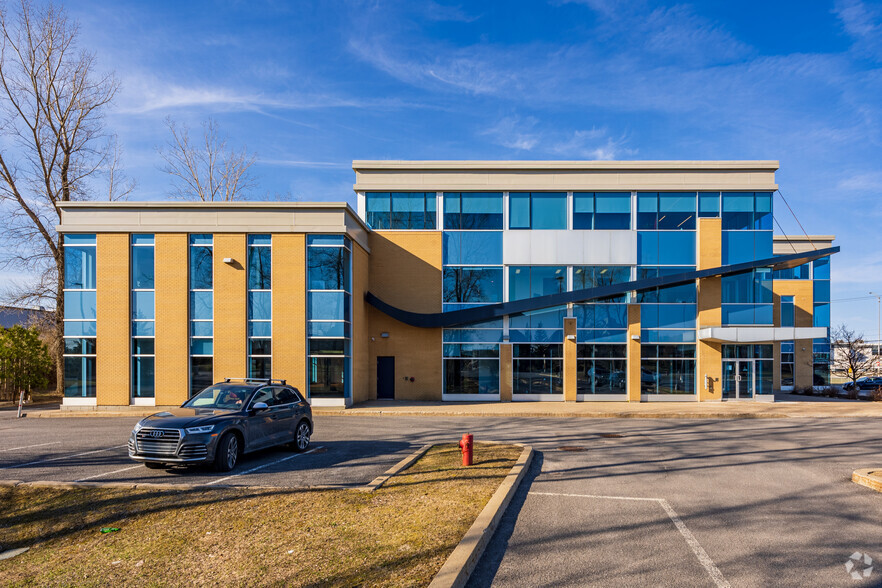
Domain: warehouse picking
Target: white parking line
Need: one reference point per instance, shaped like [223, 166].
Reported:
[29, 446]
[109, 473]
[703, 558]
[21, 465]
[260, 467]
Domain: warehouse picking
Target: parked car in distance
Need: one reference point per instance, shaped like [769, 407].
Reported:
[222, 423]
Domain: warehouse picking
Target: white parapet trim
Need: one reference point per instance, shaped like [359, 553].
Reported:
[759, 334]
[80, 401]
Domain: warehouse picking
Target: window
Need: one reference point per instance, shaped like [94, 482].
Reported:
[473, 210]
[472, 248]
[665, 248]
[260, 311]
[787, 363]
[667, 369]
[201, 280]
[471, 368]
[537, 210]
[747, 298]
[744, 246]
[329, 258]
[537, 368]
[747, 211]
[596, 276]
[601, 369]
[401, 210]
[666, 211]
[800, 272]
[143, 317]
[533, 281]
[683, 293]
[708, 204]
[821, 362]
[472, 285]
[80, 314]
[787, 311]
[601, 210]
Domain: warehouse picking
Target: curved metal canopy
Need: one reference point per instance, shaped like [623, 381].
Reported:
[492, 311]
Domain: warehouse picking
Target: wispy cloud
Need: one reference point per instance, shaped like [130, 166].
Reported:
[863, 24]
[514, 133]
[862, 182]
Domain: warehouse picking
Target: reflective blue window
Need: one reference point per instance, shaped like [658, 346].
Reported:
[800, 272]
[601, 316]
[259, 267]
[545, 319]
[201, 305]
[473, 210]
[738, 211]
[821, 315]
[737, 247]
[472, 247]
[143, 377]
[79, 265]
[260, 239]
[595, 276]
[401, 210]
[763, 212]
[665, 248]
[709, 204]
[667, 316]
[821, 291]
[328, 306]
[667, 336]
[260, 329]
[328, 268]
[143, 305]
[684, 293]
[201, 239]
[80, 328]
[201, 273]
[201, 328]
[260, 305]
[142, 266]
[143, 329]
[666, 210]
[79, 239]
[787, 312]
[602, 210]
[201, 347]
[328, 329]
[80, 305]
[533, 281]
[79, 377]
[473, 284]
[142, 239]
[538, 210]
[821, 268]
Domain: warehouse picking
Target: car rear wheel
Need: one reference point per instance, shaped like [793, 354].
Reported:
[302, 435]
[227, 453]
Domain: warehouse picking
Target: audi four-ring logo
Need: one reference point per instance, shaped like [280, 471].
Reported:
[156, 433]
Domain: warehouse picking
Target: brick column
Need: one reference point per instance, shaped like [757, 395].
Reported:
[633, 362]
[172, 319]
[569, 360]
[289, 309]
[506, 374]
[230, 311]
[114, 343]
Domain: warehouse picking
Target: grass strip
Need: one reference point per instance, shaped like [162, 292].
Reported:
[399, 535]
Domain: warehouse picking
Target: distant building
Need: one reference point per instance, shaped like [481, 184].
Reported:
[455, 280]
[26, 317]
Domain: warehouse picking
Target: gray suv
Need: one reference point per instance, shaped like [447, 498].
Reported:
[222, 423]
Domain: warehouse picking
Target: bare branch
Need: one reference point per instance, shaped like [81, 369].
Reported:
[210, 172]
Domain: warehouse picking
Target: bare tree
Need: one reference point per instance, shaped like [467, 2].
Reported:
[52, 144]
[207, 171]
[851, 355]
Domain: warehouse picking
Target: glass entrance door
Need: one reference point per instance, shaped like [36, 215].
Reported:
[738, 378]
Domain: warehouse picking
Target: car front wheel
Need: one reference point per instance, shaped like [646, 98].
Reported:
[301, 436]
[227, 453]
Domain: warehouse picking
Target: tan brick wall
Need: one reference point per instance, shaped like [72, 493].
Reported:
[405, 271]
[113, 369]
[230, 312]
[709, 355]
[361, 389]
[803, 299]
[506, 372]
[289, 308]
[633, 362]
[569, 361]
[171, 257]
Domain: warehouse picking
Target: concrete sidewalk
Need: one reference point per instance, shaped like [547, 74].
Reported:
[686, 410]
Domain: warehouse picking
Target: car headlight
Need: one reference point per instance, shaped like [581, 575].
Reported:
[138, 426]
[202, 429]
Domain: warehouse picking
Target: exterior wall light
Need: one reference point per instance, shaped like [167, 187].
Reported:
[571, 337]
[384, 335]
[228, 260]
[635, 337]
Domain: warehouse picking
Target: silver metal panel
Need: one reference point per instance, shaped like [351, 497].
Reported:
[759, 334]
[569, 247]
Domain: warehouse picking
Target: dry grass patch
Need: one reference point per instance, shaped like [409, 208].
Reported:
[399, 535]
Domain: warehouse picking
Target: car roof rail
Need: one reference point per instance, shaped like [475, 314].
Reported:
[256, 381]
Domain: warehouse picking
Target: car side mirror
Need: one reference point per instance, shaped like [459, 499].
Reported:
[259, 406]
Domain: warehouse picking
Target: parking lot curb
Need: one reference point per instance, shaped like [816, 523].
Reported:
[869, 477]
[156, 486]
[456, 570]
[398, 467]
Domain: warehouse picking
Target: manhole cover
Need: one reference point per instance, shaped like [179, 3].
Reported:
[610, 435]
[571, 448]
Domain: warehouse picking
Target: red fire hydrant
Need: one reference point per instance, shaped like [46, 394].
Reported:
[465, 445]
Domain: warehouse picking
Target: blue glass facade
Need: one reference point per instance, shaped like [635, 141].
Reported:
[143, 317]
[201, 286]
[260, 306]
[80, 315]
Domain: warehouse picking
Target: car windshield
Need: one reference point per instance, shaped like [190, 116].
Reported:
[222, 396]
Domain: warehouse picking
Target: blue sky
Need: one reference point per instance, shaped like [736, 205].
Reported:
[310, 86]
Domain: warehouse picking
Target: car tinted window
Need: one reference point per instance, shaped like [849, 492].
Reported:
[221, 396]
[264, 395]
[285, 396]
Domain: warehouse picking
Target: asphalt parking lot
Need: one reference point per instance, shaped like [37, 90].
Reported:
[607, 502]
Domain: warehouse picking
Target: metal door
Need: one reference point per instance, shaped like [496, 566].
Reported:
[386, 377]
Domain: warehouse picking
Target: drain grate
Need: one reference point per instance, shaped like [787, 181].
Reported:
[611, 435]
[571, 448]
